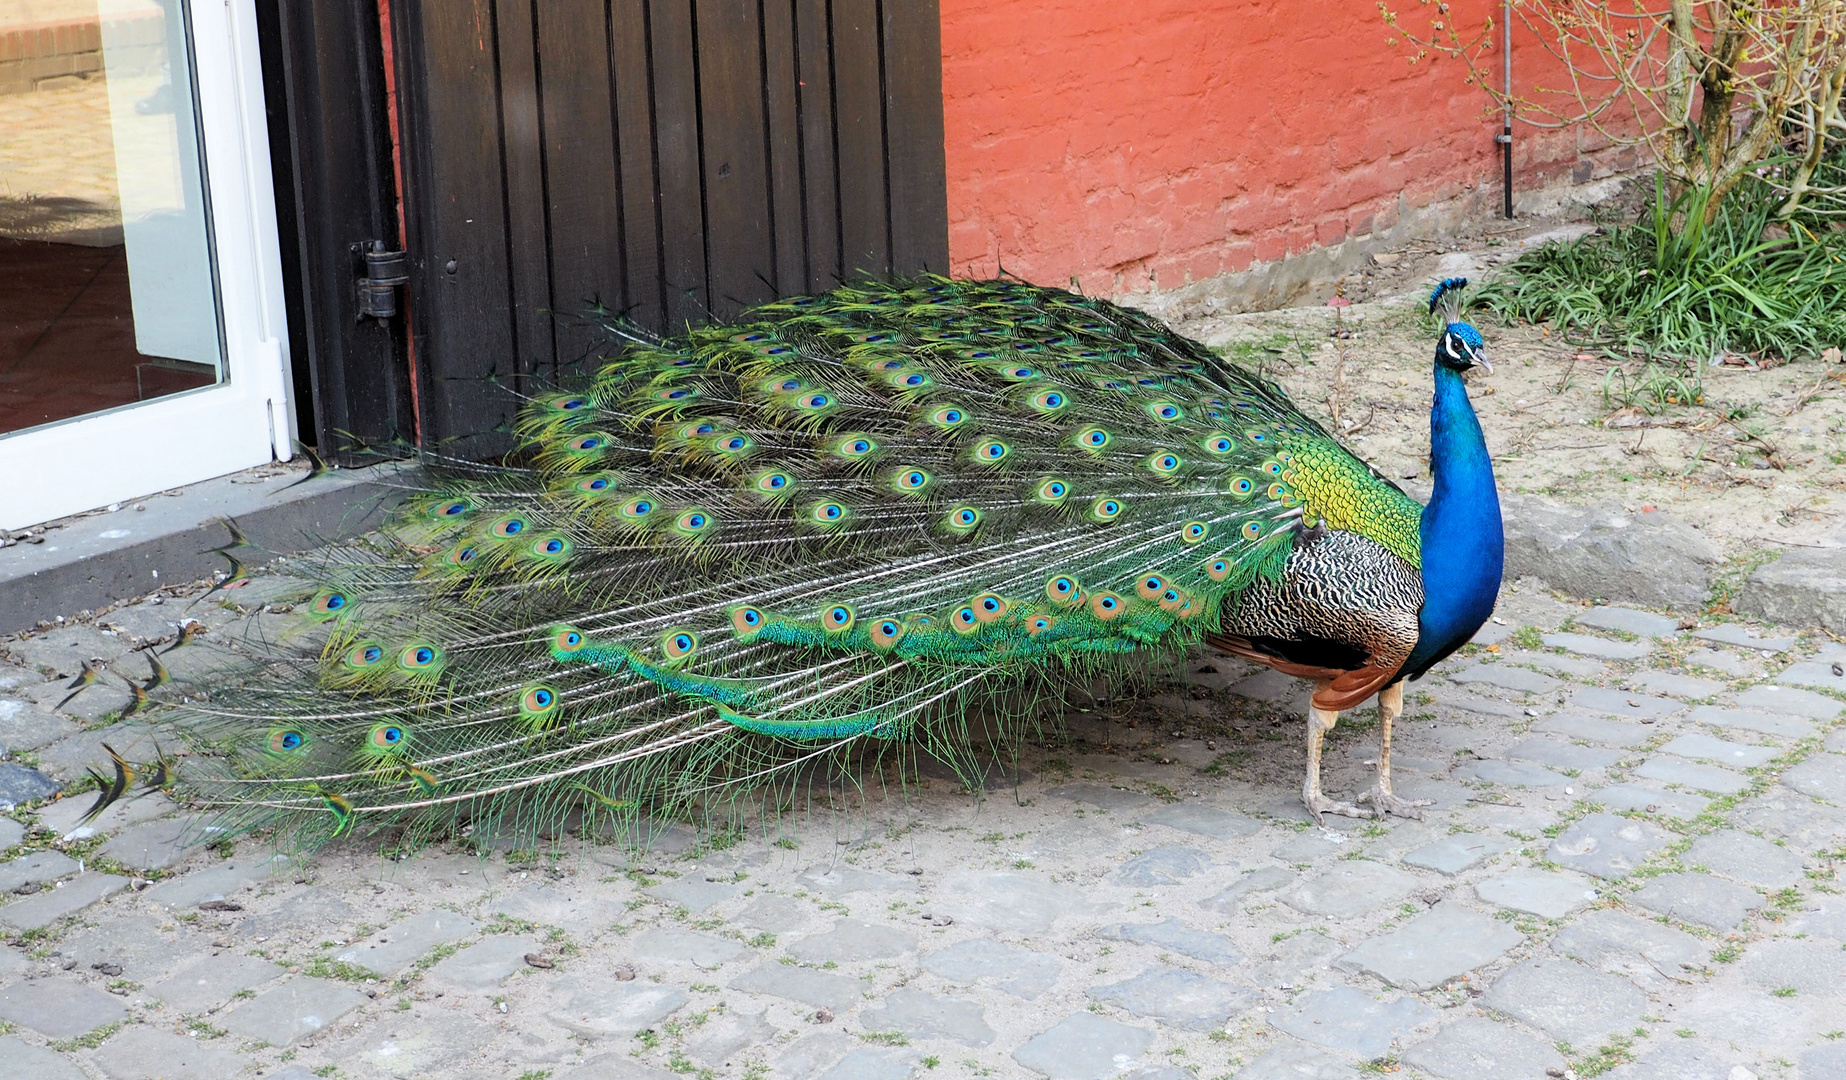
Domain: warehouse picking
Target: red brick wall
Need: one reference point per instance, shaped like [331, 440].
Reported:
[1132, 143]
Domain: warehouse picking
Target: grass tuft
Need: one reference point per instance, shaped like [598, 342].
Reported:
[1742, 283]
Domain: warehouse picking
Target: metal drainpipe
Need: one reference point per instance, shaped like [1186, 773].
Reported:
[1505, 138]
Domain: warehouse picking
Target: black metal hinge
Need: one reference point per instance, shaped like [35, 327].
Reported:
[384, 272]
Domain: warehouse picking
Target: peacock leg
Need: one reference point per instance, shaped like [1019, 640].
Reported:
[1383, 800]
[1321, 721]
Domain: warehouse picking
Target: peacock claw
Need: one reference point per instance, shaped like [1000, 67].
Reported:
[1319, 804]
[1385, 802]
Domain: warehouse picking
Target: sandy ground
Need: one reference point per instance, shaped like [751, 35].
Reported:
[1758, 461]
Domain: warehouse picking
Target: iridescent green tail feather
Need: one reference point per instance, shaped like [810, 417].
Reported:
[855, 518]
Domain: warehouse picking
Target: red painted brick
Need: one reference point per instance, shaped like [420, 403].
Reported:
[1187, 137]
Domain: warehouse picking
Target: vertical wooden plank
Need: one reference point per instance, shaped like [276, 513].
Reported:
[820, 182]
[858, 111]
[456, 206]
[676, 156]
[583, 211]
[528, 245]
[739, 240]
[913, 137]
[631, 86]
[782, 136]
[331, 60]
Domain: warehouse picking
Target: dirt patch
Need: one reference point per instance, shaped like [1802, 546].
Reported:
[1755, 456]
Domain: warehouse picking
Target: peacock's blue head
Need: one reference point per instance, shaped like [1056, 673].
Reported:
[1461, 346]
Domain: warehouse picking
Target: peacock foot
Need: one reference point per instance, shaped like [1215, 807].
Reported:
[1319, 804]
[1384, 801]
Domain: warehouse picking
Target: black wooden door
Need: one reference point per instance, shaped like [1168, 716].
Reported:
[676, 160]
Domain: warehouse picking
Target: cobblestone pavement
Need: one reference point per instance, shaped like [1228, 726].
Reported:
[1632, 868]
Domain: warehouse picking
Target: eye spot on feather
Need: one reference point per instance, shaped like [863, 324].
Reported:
[913, 380]
[1194, 531]
[827, 514]
[1107, 606]
[1062, 590]
[535, 701]
[567, 640]
[588, 443]
[1279, 491]
[886, 633]
[452, 508]
[1093, 438]
[774, 350]
[1170, 599]
[637, 510]
[965, 620]
[329, 604]
[910, 481]
[989, 607]
[1252, 530]
[746, 621]
[1242, 486]
[677, 645]
[1273, 467]
[1148, 588]
[570, 404]
[1038, 624]
[286, 741]
[1053, 492]
[696, 431]
[855, 447]
[364, 655]
[962, 519]
[1218, 444]
[733, 444]
[991, 452]
[595, 484]
[1257, 437]
[386, 737]
[782, 385]
[837, 619]
[506, 528]
[1218, 569]
[693, 523]
[419, 658]
[550, 547]
[773, 482]
[1050, 401]
[752, 337]
[1163, 464]
[1106, 509]
[814, 402]
[1164, 411]
[949, 417]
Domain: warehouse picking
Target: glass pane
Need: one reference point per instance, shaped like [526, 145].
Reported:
[106, 281]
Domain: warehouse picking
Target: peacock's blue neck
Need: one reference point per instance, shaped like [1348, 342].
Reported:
[1464, 549]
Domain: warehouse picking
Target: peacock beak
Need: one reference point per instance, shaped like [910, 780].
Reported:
[1480, 360]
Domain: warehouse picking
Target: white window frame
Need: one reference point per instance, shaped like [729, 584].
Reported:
[246, 420]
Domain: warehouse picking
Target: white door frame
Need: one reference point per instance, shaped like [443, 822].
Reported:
[243, 421]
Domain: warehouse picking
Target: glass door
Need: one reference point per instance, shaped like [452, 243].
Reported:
[141, 330]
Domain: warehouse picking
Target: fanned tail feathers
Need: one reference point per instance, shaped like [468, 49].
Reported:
[871, 517]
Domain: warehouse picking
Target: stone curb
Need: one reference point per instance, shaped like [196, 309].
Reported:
[92, 561]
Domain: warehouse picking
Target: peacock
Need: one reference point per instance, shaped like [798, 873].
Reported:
[885, 517]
